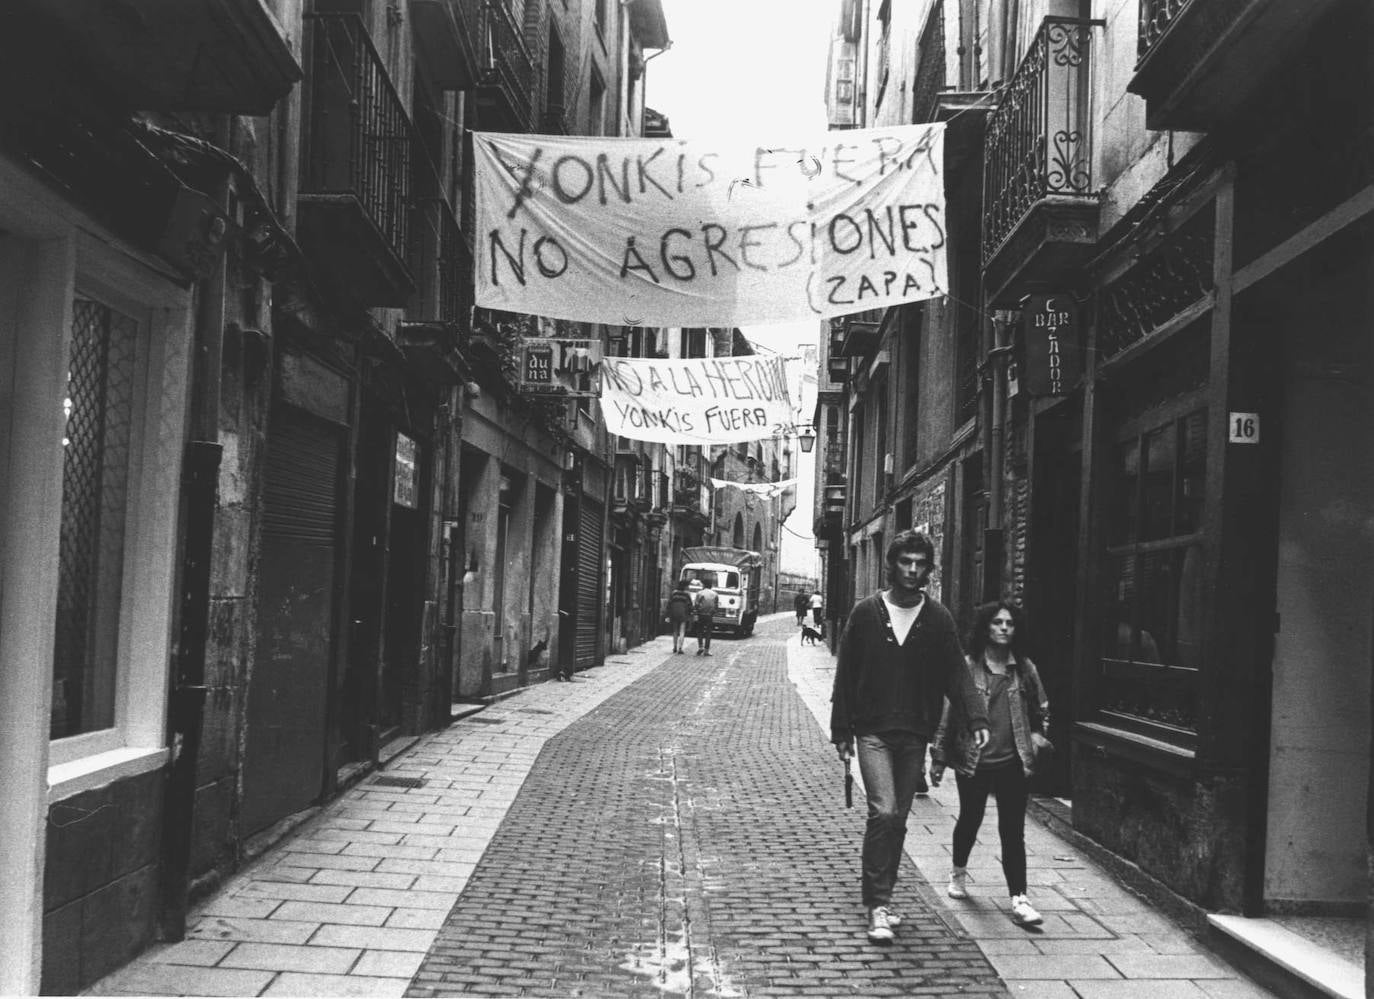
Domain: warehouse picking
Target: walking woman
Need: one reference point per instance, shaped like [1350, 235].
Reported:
[1018, 717]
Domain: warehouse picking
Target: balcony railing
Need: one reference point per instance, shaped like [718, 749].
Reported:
[1202, 63]
[507, 78]
[444, 264]
[359, 138]
[1038, 143]
[554, 120]
[1155, 18]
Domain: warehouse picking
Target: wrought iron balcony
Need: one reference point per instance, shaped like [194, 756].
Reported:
[446, 33]
[553, 121]
[443, 264]
[1040, 211]
[836, 457]
[180, 55]
[857, 334]
[355, 190]
[507, 80]
[1197, 60]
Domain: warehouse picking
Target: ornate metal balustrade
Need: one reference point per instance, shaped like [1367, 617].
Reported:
[1038, 142]
[508, 68]
[360, 136]
[455, 288]
[1155, 18]
[1167, 280]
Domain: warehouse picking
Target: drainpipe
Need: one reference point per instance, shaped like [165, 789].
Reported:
[994, 545]
[200, 480]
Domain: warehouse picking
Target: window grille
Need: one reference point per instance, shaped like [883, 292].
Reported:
[96, 447]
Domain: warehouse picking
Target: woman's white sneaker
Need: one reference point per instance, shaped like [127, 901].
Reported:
[1023, 913]
[958, 883]
[879, 929]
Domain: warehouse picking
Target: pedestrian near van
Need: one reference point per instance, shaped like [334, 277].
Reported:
[1018, 715]
[898, 661]
[679, 613]
[706, 601]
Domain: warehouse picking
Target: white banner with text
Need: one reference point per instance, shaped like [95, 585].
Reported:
[667, 232]
[719, 400]
[765, 489]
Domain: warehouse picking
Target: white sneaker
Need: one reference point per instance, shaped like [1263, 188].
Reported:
[879, 928]
[958, 883]
[1023, 913]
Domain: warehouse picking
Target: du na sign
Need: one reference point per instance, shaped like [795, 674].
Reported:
[1052, 344]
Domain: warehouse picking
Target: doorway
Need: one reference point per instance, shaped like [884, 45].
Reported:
[1324, 645]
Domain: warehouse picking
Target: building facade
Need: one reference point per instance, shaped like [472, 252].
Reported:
[275, 500]
[1127, 414]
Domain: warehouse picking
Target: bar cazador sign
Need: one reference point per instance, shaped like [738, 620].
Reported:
[669, 232]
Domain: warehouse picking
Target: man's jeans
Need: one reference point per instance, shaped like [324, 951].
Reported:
[704, 633]
[892, 764]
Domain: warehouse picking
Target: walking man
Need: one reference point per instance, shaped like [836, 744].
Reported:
[899, 657]
[706, 602]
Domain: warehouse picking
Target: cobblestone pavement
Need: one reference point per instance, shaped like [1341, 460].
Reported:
[689, 837]
[664, 825]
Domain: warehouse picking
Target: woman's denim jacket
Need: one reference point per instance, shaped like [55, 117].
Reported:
[953, 745]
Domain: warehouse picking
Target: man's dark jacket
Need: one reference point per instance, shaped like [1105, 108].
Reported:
[881, 686]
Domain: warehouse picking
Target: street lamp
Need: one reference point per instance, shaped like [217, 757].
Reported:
[807, 437]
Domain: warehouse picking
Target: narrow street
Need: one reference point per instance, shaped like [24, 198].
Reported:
[664, 825]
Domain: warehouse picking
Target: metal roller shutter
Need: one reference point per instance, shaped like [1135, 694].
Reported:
[588, 583]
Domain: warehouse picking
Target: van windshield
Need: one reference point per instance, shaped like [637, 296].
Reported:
[716, 579]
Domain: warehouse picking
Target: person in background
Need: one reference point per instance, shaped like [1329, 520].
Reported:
[800, 604]
[706, 601]
[817, 603]
[1018, 716]
[898, 660]
[679, 613]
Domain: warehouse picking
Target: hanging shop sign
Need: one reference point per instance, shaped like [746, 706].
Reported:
[405, 490]
[1051, 345]
[718, 400]
[550, 366]
[667, 232]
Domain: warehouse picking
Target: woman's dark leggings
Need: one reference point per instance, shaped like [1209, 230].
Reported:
[1007, 783]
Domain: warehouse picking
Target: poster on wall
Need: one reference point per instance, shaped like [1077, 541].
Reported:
[405, 490]
[669, 232]
[928, 517]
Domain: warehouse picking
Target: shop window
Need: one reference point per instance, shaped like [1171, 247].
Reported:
[99, 410]
[1153, 575]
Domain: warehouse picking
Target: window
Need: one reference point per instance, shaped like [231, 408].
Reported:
[597, 105]
[556, 67]
[99, 410]
[693, 343]
[122, 433]
[1153, 573]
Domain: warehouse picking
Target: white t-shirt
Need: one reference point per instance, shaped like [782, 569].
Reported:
[817, 600]
[903, 617]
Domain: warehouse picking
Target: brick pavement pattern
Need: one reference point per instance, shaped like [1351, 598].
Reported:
[688, 837]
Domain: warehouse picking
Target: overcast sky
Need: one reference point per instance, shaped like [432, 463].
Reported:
[745, 69]
[751, 70]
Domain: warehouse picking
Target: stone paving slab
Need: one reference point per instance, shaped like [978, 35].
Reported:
[352, 901]
[680, 797]
[689, 836]
[1098, 939]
